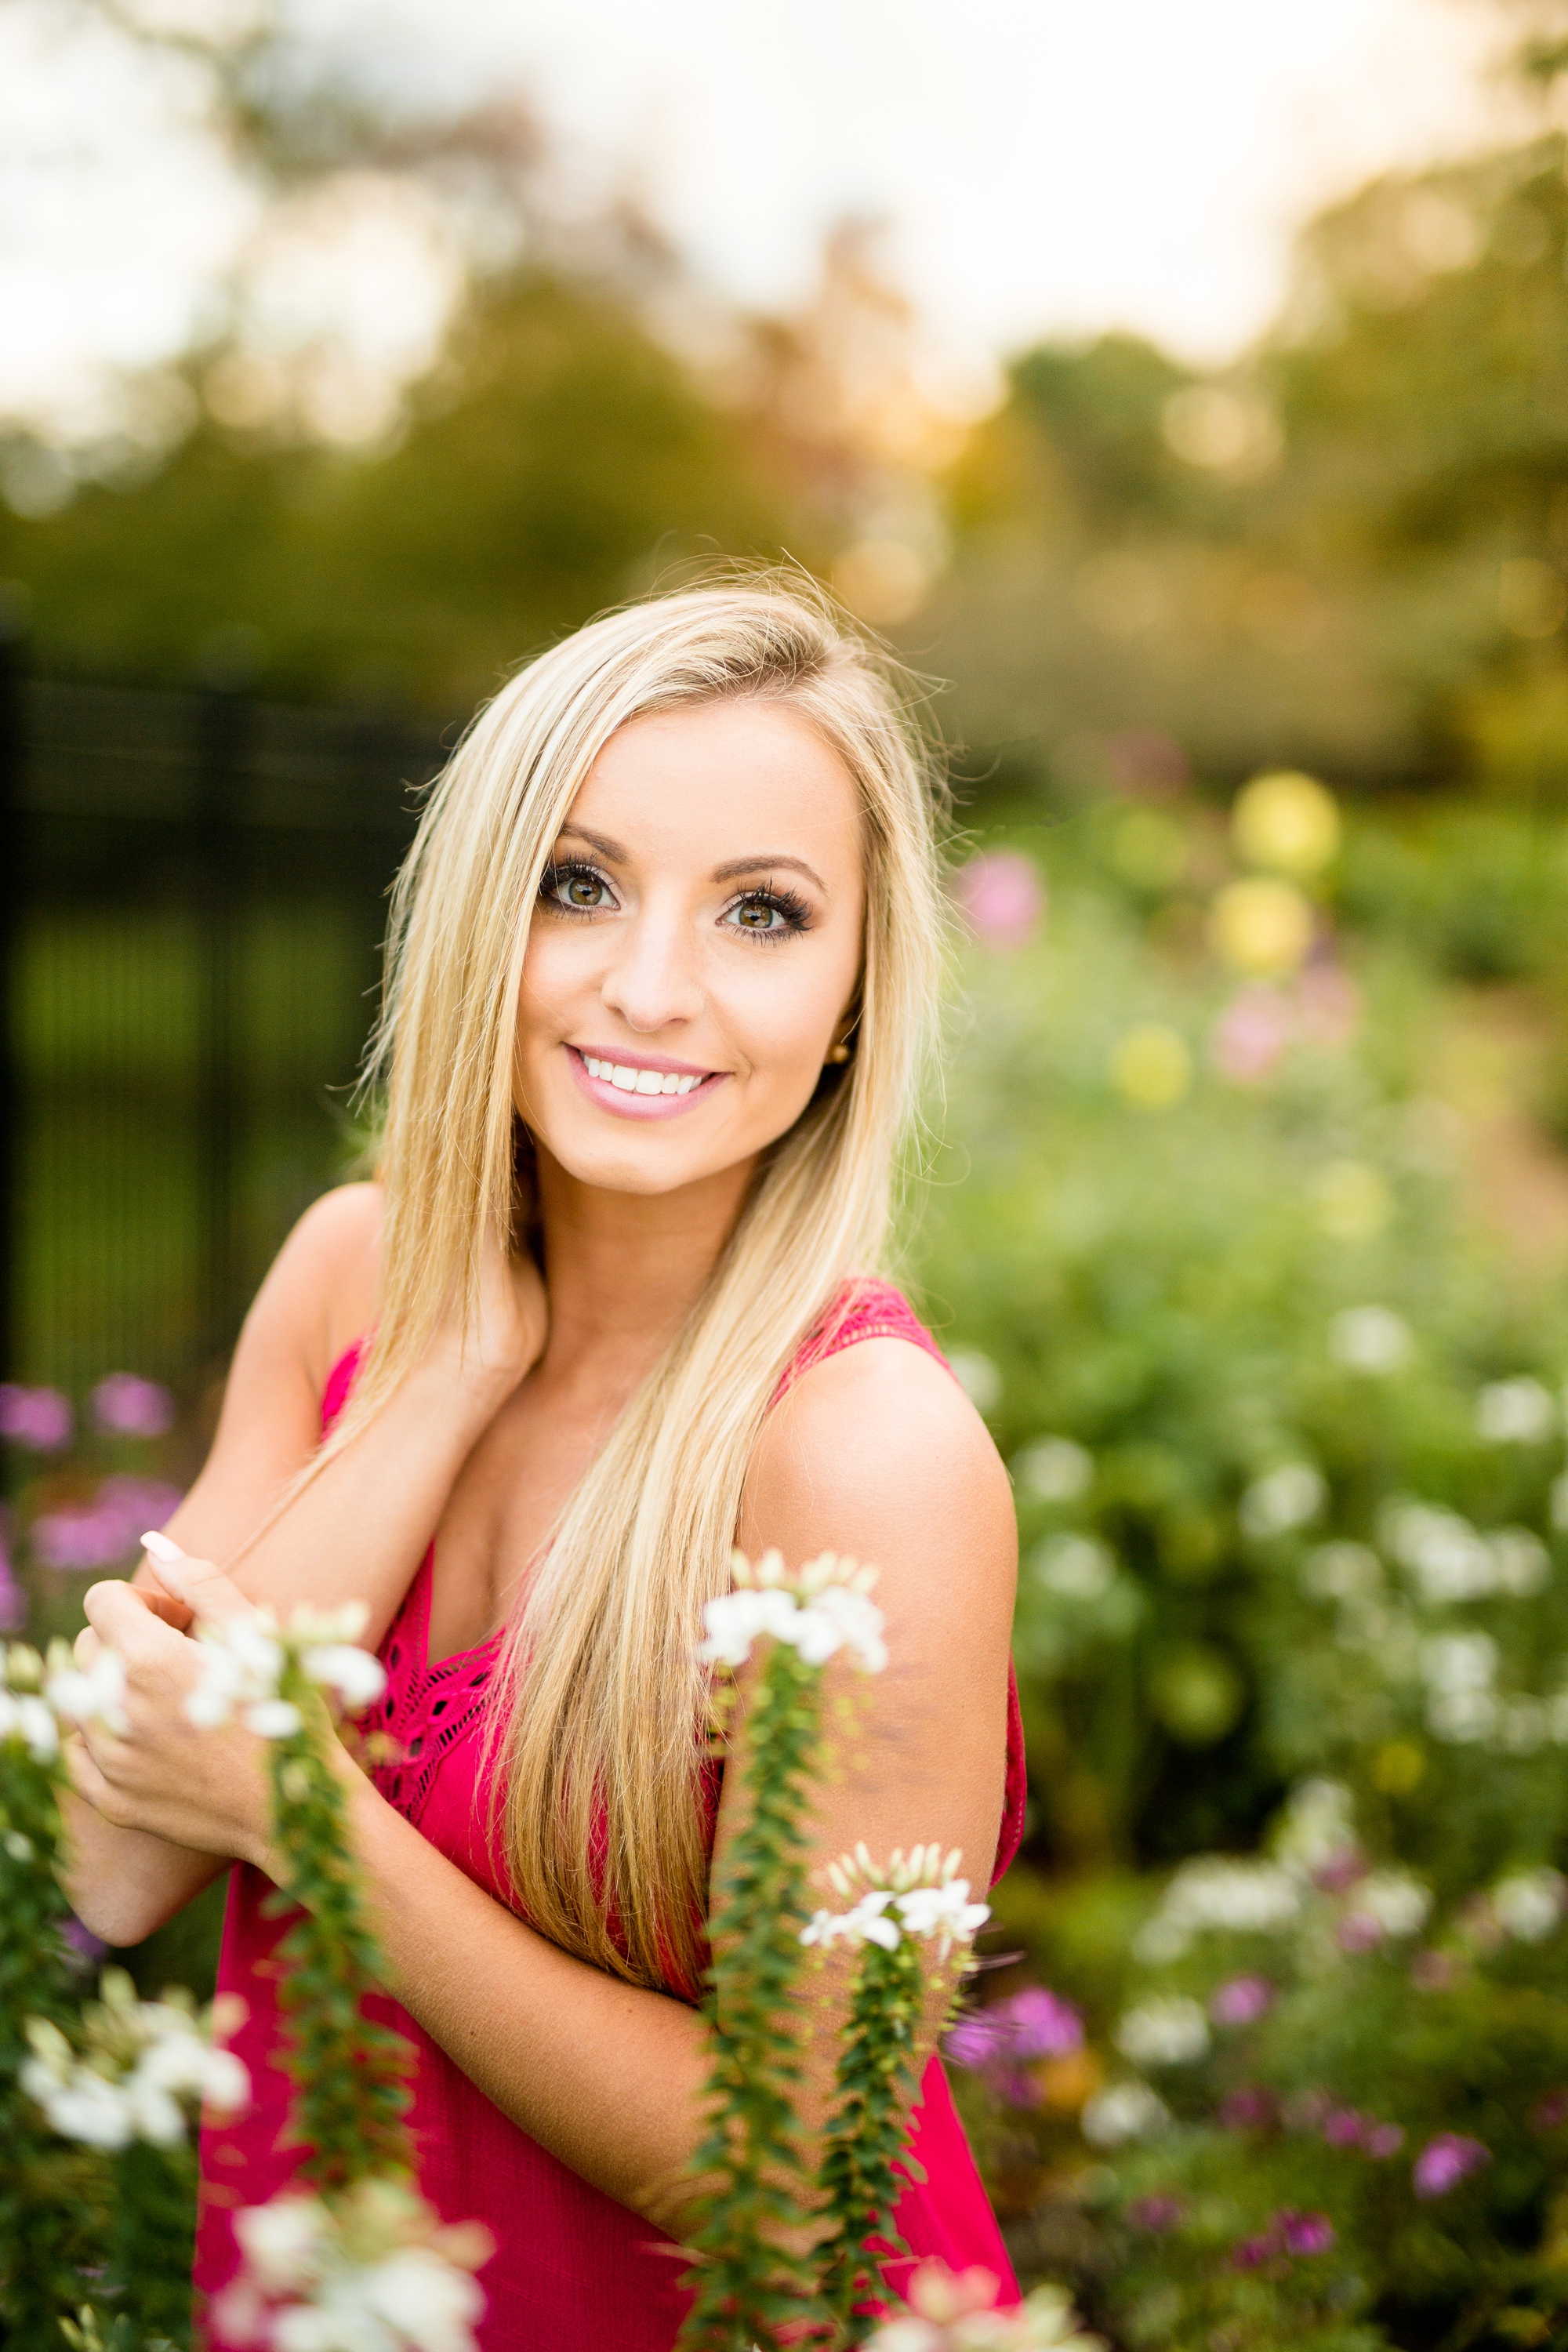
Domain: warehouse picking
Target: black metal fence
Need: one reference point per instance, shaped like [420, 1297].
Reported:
[193, 902]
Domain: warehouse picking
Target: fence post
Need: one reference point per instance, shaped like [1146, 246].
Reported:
[223, 734]
[13, 899]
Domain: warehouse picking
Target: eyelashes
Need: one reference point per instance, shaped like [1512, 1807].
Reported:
[564, 874]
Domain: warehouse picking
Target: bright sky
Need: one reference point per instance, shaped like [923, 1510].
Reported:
[1043, 165]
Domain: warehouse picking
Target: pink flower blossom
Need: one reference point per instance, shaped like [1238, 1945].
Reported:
[1550, 2113]
[1446, 2160]
[39, 1419]
[1382, 2140]
[105, 1530]
[1033, 2023]
[1328, 1004]
[1156, 2214]
[1342, 2128]
[1251, 2252]
[1357, 1931]
[1247, 2108]
[1305, 2234]
[1241, 2001]
[129, 1407]
[1000, 896]
[1250, 1035]
[13, 1600]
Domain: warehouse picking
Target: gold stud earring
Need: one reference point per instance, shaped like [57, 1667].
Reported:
[839, 1053]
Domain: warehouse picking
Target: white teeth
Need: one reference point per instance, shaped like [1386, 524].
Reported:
[639, 1082]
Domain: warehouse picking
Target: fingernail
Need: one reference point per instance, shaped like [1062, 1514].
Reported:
[162, 1547]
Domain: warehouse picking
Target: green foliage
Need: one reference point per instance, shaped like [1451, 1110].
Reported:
[875, 2080]
[349, 2071]
[749, 2282]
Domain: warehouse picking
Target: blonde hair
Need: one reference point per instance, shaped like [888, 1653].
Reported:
[602, 1833]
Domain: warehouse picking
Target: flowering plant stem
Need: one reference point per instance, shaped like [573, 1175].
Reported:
[749, 2284]
[48, 2211]
[877, 2076]
[348, 2072]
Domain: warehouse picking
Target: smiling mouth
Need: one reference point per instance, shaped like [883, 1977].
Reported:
[630, 1078]
[641, 1087]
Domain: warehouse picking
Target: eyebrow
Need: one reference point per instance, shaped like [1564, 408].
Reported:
[729, 872]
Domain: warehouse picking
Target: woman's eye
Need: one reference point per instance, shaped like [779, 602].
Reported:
[769, 915]
[578, 887]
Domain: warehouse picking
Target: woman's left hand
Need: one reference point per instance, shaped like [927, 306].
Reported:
[204, 1789]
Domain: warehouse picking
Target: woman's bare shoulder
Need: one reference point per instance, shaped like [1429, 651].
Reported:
[878, 1452]
[320, 1292]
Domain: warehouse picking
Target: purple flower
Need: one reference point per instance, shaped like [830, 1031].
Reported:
[1241, 2001]
[1549, 2113]
[1032, 2024]
[1341, 1870]
[13, 1600]
[1252, 2251]
[104, 1531]
[1000, 896]
[1357, 1931]
[40, 1419]
[1445, 2161]
[83, 1942]
[974, 2040]
[1155, 2213]
[1039, 2025]
[1305, 2234]
[1249, 2109]
[1382, 2140]
[129, 1407]
[1342, 2128]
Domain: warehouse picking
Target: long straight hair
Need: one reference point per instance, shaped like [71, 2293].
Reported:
[599, 1711]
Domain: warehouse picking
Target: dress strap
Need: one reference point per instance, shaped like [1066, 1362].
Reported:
[865, 1308]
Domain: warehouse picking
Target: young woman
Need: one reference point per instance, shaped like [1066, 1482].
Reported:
[662, 982]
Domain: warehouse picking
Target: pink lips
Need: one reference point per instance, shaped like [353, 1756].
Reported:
[632, 1106]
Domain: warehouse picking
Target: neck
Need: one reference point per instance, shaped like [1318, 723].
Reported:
[624, 1269]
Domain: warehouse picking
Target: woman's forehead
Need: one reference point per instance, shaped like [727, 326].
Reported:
[740, 779]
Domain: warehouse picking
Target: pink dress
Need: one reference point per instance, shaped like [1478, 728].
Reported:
[572, 2267]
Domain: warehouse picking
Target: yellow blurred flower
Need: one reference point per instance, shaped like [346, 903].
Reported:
[1354, 1203]
[1064, 2084]
[1261, 926]
[1151, 1066]
[1286, 820]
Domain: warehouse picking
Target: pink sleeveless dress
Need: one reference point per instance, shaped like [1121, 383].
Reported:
[572, 2267]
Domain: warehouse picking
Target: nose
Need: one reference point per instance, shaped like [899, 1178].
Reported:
[653, 982]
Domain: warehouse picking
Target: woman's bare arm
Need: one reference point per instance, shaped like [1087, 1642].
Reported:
[357, 1533]
[606, 2076]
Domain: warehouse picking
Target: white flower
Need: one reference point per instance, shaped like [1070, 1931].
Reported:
[142, 2058]
[1214, 1892]
[1452, 1662]
[1449, 1559]
[1462, 1717]
[1515, 1413]
[430, 2302]
[1054, 1470]
[96, 1696]
[1341, 1571]
[25, 1717]
[345, 1667]
[273, 1718]
[1281, 1500]
[1169, 2031]
[978, 1377]
[1369, 1339]
[1317, 1824]
[1122, 2112]
[1078, 1567]
[944, 1911]
[826, 1609]
[1530, 1903]
[82, 2105]
[1521, 1561]
[282, 2242]
[1398, 1902]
